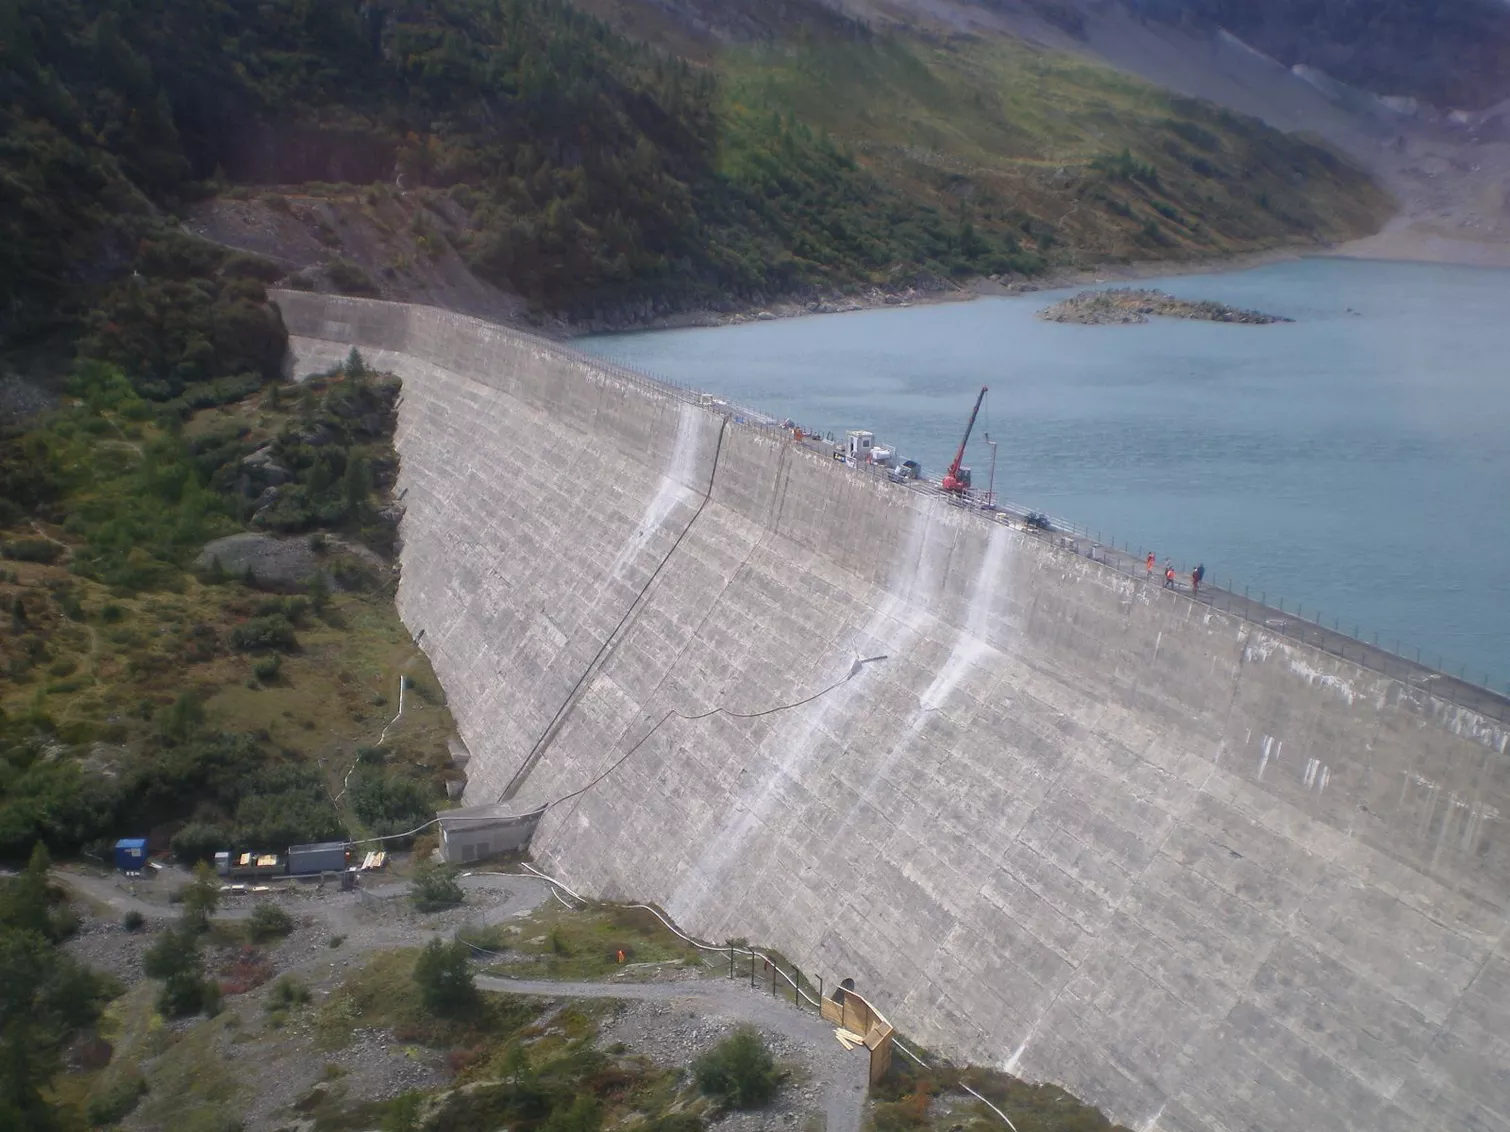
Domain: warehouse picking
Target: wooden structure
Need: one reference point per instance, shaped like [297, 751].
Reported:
[860, 1023]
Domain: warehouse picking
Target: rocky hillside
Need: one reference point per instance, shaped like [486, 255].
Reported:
[465, 151]
[1452, 55]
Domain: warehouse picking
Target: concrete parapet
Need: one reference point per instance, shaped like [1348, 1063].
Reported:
[1073, 825]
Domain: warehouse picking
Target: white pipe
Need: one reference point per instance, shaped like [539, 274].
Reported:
[400, 714]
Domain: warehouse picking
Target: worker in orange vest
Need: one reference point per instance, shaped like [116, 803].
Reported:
[1150, 565]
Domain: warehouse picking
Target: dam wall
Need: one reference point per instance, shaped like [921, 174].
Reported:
[1060, 820]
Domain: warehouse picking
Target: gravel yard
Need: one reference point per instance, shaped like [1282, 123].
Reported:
[670, 1014]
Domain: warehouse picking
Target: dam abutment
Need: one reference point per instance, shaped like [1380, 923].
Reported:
[1202, 875]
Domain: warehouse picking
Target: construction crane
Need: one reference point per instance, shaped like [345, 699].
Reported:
[957, 478]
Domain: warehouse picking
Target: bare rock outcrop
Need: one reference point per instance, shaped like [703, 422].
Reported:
[1129, 305]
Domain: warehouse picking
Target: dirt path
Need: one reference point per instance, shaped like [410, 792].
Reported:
[122, 894]
[843, 1074]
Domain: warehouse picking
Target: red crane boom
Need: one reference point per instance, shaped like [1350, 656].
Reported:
[952, 481]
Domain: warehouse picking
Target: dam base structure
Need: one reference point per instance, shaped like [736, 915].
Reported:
[1073, 825]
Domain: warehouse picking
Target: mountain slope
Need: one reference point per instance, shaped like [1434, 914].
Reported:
[1452, 55]
[1096, 165]
[588, 171]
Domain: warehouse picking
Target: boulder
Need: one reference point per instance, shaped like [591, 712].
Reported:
[277, 563]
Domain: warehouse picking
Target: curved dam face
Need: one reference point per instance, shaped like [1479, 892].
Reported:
[1072, 825]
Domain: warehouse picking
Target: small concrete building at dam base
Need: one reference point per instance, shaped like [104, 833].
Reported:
[1073, 825]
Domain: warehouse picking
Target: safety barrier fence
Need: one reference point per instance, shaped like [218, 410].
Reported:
[1411, 666]
[844, 1005]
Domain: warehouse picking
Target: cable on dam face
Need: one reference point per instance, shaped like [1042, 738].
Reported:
[856, 666]
[582, 686]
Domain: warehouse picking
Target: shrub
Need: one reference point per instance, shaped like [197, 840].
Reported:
[269, 922]
[267, 669]
[201, 897]
[179, 722]
[584, 1114]
[287, 992]
[116, 1102]
[387, 800]
[434, 889]
[174, 958]
[443, 973]
[133, 921]
[271, 632]
[247, 969]
[198, 841]
[351, 278]
[33, 550]
[739, 1072]
[244, 265]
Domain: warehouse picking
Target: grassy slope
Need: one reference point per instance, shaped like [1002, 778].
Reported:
[1029, 140]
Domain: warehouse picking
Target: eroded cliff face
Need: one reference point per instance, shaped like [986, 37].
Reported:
[1072, 824]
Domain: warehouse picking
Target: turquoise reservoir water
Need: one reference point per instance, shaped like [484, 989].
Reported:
[1356, 461]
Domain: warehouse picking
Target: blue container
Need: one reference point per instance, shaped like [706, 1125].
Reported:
[131, 854]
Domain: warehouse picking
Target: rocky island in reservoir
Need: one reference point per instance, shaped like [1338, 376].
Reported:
[1125, 305]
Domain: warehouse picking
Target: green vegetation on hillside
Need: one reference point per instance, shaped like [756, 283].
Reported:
[558, 944]
[588, 164]
[46, 996]
[139, 694]
[912, 1099]
[584, 169]
[1073, 160]
[520, 1063]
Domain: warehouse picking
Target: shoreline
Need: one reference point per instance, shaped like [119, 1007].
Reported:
[1062, 277]
[1054, 279]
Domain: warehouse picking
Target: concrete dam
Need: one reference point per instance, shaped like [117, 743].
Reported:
[1048, 816]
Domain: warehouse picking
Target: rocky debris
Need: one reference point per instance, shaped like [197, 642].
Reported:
[1131, 305]
[105, 945]
[378, 1066]
[21, 399]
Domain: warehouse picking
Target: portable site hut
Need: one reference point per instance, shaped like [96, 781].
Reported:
[131, 854]
[474, 832]
[319, 857]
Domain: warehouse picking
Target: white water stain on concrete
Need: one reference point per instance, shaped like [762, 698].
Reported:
[1271, 747]
[673, 488]
[1011, 1064]
[970, 642]
[1312, 675]
[901, 619]
[968, 650]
